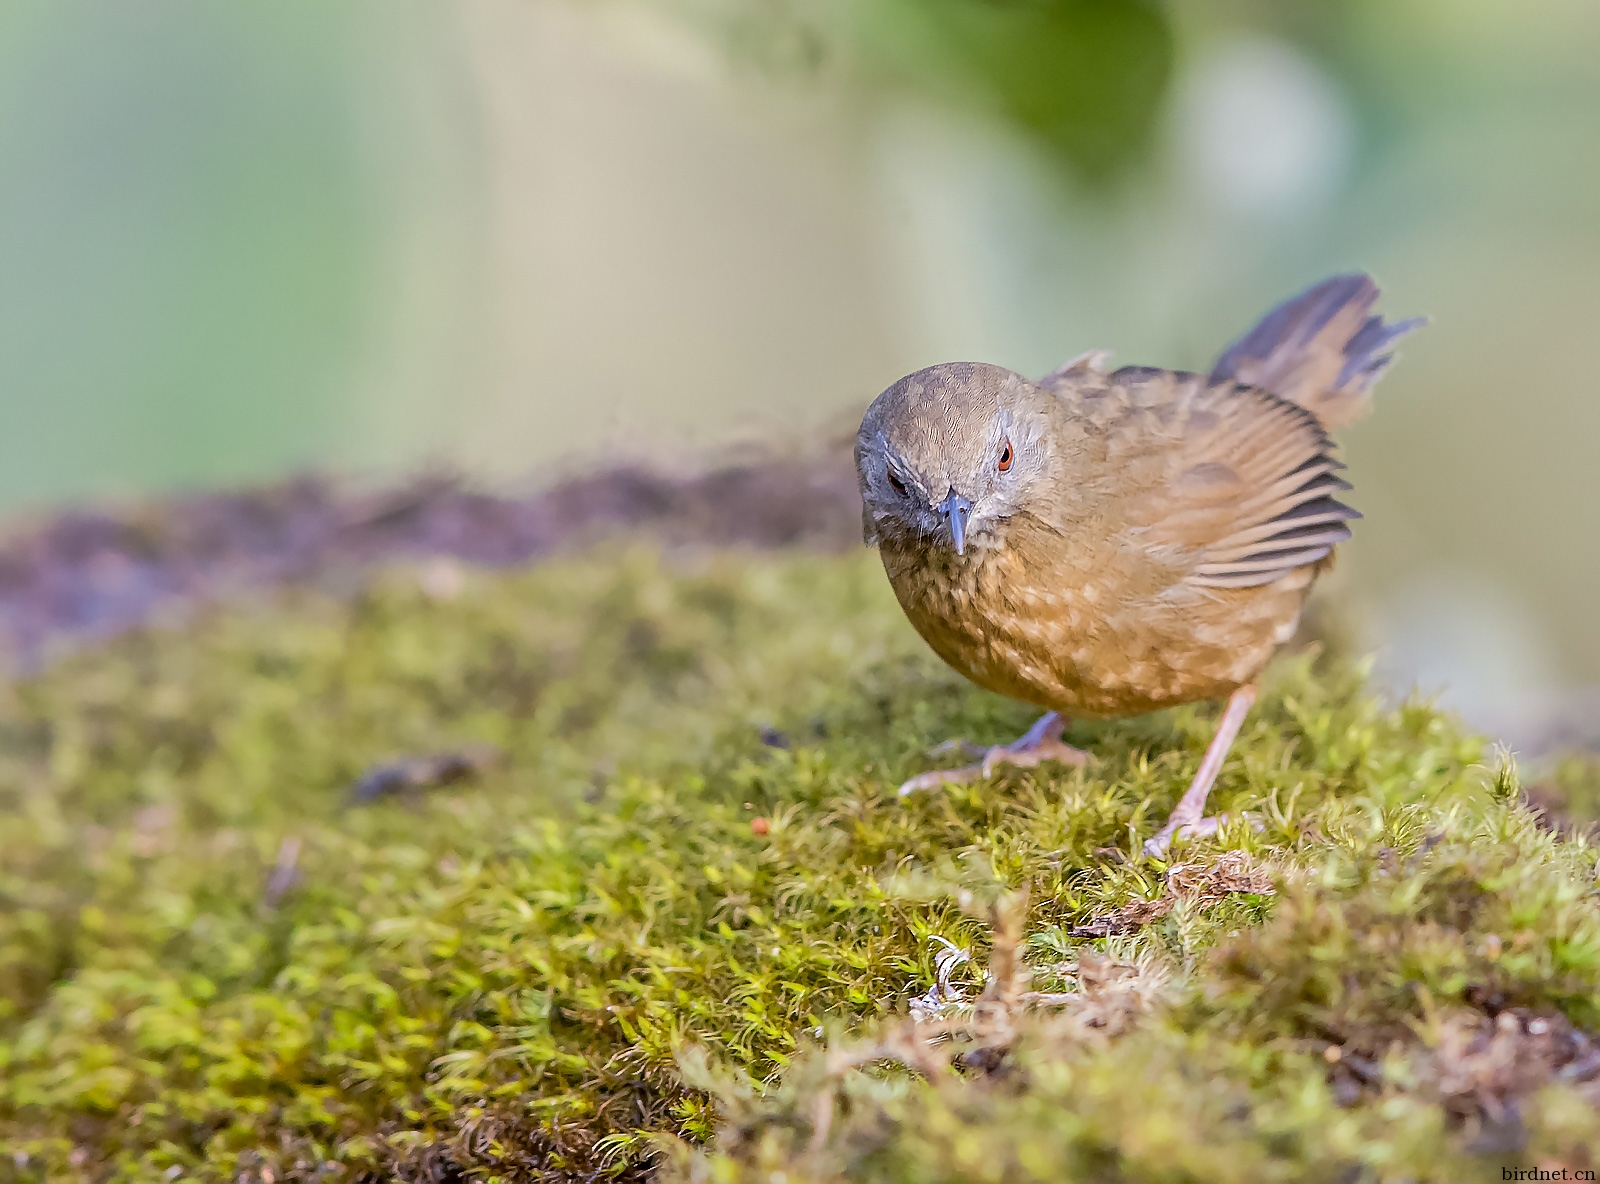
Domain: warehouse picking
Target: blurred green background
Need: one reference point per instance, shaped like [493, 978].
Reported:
[523, 237]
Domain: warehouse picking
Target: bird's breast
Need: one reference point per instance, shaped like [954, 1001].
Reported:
[1082, 634]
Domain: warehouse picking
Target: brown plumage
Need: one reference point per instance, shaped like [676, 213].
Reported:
[1110, 543]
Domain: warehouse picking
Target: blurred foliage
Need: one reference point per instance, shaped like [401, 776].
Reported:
[189, 238]
[214, 965]
[1086, 78]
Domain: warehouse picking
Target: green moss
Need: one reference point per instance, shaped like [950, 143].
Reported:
[212, 965]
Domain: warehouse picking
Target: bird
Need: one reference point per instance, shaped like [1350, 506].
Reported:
[1109, 542]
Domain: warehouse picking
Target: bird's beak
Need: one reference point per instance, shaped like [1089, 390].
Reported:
[956, 510]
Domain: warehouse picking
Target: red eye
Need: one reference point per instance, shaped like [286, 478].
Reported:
[895, 483]
[1005, 457]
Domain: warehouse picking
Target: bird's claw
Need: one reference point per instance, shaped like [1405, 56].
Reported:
[1026, 753]
[964, 747]
[934, 778]
[1032, 755]
[1203, 828]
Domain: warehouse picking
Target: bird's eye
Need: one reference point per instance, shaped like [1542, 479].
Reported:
[1004, 463]
[895, 483]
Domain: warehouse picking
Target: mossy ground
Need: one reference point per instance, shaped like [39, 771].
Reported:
[589, 962]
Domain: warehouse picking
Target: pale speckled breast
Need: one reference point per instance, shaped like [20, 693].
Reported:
[1103, 641]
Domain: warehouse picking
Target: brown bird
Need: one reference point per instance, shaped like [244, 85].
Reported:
[1107, 543]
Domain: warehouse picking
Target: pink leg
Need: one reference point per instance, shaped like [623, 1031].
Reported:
[1187, 817]
[1042, 742]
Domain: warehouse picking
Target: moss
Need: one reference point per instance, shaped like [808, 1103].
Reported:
[644, 924]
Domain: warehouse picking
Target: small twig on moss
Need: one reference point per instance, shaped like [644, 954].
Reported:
[1202, 883]
[1111, 998]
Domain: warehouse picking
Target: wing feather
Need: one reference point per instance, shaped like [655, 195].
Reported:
[1248, 488]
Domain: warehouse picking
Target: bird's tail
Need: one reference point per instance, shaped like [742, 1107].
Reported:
[1323, 349]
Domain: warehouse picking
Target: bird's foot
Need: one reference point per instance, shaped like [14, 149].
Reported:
[957, 745]
[1040, 743]
[1027, 757]
[1202, 828]
[1186, 817]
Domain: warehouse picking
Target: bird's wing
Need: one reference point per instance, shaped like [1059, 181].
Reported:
[1237, 487]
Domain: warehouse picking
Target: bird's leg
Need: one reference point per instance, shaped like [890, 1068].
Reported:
[1187, 816]
[1042, 742]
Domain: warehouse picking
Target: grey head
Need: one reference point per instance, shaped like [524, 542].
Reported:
[946, 456]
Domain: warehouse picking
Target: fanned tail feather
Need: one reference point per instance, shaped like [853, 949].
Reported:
[1323, 349]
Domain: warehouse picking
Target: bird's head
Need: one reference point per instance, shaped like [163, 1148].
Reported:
[947, 456]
